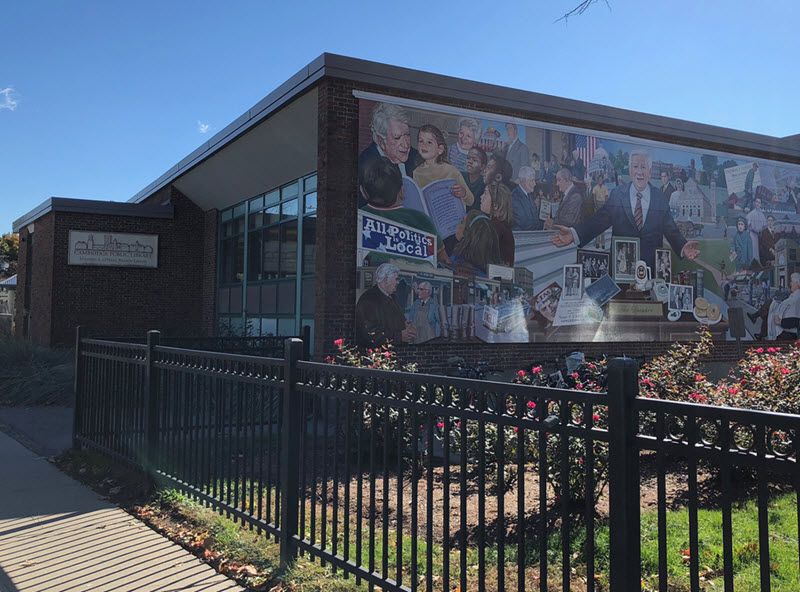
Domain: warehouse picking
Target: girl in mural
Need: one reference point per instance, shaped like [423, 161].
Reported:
[432, 148]
[477, 246]
[497, 204]
[741, 245]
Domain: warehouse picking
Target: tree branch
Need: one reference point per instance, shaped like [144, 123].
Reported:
[580, 9]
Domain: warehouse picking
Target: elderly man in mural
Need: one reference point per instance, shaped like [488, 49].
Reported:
[634, 209]
[526, 214]
[379, 317]
[391, 137]
[788, 316]
[424, 314]
[756, 222]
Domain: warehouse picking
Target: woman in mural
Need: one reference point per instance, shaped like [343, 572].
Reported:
[477, 246]
[741, 245]
[497, 204]
[469, 133]
[432, 148]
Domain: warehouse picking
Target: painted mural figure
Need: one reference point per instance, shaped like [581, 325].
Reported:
[741, 245]
[756, 223]
[391, 137]
[432, 149]
[619, 214]
[477, 245]
[570, 211]
[497, 204]
[379, 317]
[517, 153]
[469, 131]
[424, 314]
[526, 212]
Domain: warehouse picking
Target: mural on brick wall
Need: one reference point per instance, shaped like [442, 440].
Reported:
[474, 228]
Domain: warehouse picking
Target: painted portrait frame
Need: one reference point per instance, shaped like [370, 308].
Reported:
[617, 241]
[571, 297]
[668, 276]
[682, 289]
[584, 254]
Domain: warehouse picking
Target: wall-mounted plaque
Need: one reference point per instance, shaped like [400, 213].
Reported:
[112, 249]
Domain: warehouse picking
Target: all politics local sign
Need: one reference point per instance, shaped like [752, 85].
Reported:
[385, 236]
[112, 249]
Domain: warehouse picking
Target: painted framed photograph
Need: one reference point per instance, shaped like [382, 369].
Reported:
[663, 270]
[594, 263]
[572, 282]
[625, 254]
[681, 298]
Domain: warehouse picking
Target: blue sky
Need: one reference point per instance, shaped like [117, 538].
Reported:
[97, 99]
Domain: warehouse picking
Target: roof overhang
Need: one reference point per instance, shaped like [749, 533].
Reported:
[90, 206]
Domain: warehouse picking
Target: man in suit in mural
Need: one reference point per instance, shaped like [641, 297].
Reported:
[634, 209]
[517, 153]
[391, 137]
[570, 210]
[379, 317]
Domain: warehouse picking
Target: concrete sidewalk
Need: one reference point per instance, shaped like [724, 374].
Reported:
[57, 535]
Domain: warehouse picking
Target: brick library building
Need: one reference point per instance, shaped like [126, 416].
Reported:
[448, 217]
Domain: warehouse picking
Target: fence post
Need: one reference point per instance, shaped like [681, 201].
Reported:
[291, 439]
[78, 394]
[151, 398]
[625, 518]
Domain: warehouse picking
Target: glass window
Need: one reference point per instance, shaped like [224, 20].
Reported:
[289, 190]
[272, 197]
[238, 268]
[237, 326]
[256, 219]
[311, 203]
[227, 261]
[271, 249]
[286, 297]
[309, 244]
[253, 299]
[257, 203]
[254, 255]
[269, 298]
[240, 210]
[226, 215]
[236, 300]
[269, 327]
[310, 183]
[288, 258]
[223, 300]
[289, 209]
[272, 214]
[308, 297]
[286, 327]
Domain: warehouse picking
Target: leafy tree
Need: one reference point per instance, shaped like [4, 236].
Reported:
[9, 247]
[710, 163]
[721, 182]
[620, 160]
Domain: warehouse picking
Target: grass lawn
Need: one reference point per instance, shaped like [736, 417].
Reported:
[712, 252]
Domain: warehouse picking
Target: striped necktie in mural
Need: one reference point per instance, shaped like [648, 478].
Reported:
[637, 213]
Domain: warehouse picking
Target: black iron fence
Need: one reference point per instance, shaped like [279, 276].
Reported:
[419, 482]
[270, 346]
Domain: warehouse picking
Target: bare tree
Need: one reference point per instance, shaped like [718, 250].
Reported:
[581, 8]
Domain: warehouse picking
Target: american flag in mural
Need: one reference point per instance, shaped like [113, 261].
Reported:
[586, 146]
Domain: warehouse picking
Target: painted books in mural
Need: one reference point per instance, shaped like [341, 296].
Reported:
[602, 290]
[436, 200]
[546, 301]
[392, 239]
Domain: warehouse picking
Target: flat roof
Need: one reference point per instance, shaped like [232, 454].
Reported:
[91, 206]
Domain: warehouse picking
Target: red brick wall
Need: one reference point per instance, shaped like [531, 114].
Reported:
[41, 287]
[209, 305]
[124, 301]
[340, 137]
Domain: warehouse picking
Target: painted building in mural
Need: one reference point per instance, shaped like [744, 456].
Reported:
[383, 205]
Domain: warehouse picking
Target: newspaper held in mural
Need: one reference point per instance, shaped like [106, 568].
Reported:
[112, 249]
[445, 197]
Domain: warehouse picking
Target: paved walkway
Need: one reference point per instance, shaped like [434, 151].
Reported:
[57, 535]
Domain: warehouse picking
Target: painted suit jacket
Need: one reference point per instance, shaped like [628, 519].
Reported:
[618, 214]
